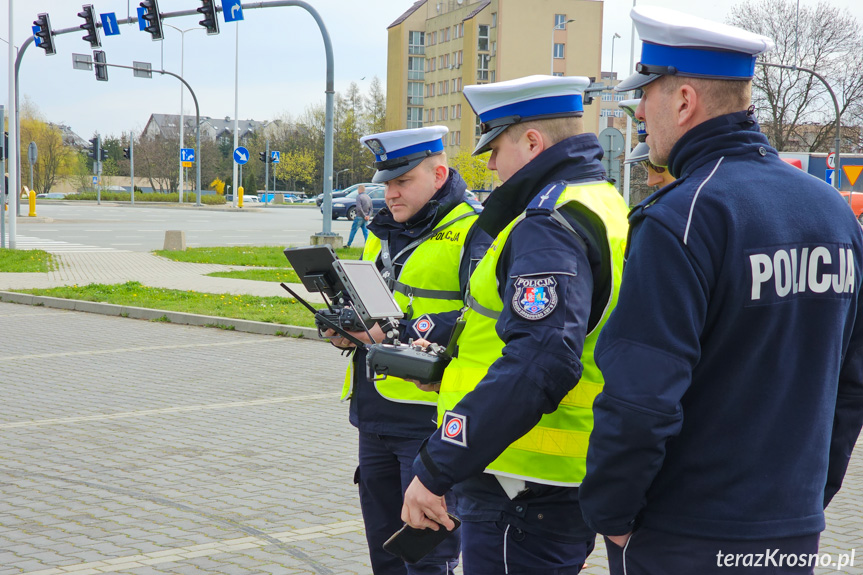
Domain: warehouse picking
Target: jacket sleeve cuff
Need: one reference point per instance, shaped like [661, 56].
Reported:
[429, 474]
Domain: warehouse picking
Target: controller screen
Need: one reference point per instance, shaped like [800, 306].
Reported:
[369, 287]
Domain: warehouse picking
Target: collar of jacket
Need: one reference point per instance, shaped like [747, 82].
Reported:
[576, 158]
[445, 199]
[732, 134]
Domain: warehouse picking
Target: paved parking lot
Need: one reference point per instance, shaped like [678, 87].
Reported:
[141, 448]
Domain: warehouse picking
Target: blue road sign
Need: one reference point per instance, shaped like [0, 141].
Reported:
[36, 39]
[232, 10]
[187, 154]
[109, 24]
[142, 24]
[95, 179]
[828, 177]
[241, 155]
[276, 157]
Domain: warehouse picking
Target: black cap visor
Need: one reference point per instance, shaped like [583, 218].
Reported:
[391, 169]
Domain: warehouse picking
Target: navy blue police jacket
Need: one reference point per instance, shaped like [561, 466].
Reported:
[541, 358]
[733, 361]
[369, 411]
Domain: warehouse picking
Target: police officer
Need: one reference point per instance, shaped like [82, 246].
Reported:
[420, 243]
[640, 154]
[734, 359]
[515, 402]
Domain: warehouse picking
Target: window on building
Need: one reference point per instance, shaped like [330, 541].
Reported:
[446, 34]
[432, 38]
[433, 62]
[606, 97]
[460, 58]
[454, 86]
[482, 38]
[458, 112]
[444, 138]
[415, 68]
[482, 68]
[557, 74]
[446, 60]
[416, 42]
[560, 21]
[494, 19]
[459, 84]
[445, 113]
[559, 50]
[415, 93]
[493, 48]
[431, 90]
[493, 76]
[619, 97]
[415, 117]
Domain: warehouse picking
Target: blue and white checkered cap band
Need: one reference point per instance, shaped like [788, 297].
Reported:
[699, 61]
[536, 107]
[641, 127]
[433, 147]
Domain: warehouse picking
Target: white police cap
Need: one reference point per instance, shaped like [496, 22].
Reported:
[503, 104]
[401, 151]
[641, 151]
[674, 43]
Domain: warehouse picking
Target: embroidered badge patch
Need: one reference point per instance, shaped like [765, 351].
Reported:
[423, 326]
[454, 429]
[535, 297]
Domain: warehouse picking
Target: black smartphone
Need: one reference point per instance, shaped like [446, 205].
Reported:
[413, 544]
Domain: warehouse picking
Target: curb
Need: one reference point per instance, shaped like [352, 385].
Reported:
[180, 318]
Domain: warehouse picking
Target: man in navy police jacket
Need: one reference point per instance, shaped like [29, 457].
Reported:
[734, 359]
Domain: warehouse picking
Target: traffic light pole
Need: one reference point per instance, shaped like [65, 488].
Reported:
[330, 92]
[132, 166]
[197, 123]
[2, 183]
[267, 175]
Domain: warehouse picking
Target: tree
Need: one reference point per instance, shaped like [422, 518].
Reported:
[54, 160]
[798, 113]
[473, 170]
[298, 166]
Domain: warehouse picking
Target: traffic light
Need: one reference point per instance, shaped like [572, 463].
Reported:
[89, 26]
[42, 34]
[262, 156]
[103, 155]
[101, 68]
[94, 148]
[153, 18]
[127, 153]
[210, 21]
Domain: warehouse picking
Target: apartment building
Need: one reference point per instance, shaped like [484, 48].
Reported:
[439, 46]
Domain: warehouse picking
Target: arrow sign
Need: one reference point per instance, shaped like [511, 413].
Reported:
[109, 24]
[187, 155]
[142, 24]
[241, 155]
[232, 10]
[828, 177]
[852, 172]
[276, 157]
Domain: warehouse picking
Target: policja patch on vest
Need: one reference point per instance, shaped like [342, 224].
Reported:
[535, 297]
[454, 429]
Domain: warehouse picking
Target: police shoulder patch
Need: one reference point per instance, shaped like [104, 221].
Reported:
[535, 296]
[454, 429]
[423, 326]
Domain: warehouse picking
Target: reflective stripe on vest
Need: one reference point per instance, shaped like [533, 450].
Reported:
[430, 284]
[554, 451]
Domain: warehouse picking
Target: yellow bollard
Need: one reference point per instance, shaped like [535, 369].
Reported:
[240, 196]
[32, 197]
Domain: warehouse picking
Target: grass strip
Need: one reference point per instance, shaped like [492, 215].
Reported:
[26, 261]
[261, 275]
[256, 256]
[280, 310]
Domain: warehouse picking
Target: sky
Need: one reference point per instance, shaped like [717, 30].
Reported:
[282, 66]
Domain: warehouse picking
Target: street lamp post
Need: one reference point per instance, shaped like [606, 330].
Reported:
[182, 91]
[613, 38]
[557, 27]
